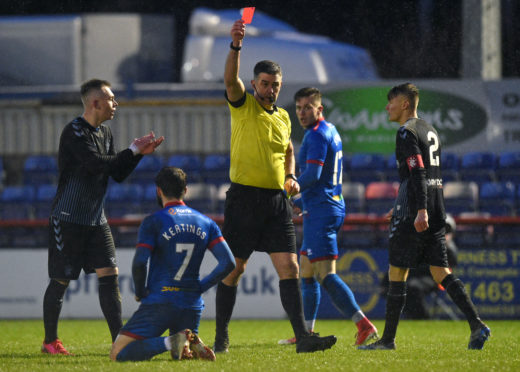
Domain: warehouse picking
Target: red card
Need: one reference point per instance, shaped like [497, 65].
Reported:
[247, 15]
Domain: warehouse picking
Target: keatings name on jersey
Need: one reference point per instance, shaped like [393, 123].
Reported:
[183, 228]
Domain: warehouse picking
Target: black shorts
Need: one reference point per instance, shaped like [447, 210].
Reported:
[408, 248]
[257, 219]
[74, 247]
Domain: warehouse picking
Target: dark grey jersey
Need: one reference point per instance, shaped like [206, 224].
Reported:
[86, 160]
[418, 154]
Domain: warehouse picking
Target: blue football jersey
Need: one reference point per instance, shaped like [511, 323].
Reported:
[178, 237]
[322, 146]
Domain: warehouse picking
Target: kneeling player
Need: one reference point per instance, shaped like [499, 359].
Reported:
[174, 239]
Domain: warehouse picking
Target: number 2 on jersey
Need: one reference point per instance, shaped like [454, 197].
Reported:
[183, 247]
[434, 156]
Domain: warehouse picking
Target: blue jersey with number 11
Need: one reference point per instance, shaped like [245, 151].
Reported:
[322, 146]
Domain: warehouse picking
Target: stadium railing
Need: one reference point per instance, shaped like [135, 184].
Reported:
[503, 229]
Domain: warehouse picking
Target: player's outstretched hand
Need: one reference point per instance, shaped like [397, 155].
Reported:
[147, 144]
[153, 145]
[238, 31]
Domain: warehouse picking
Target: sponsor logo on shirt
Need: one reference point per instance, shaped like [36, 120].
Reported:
[174, 211]
[170, 289]
[434, 182]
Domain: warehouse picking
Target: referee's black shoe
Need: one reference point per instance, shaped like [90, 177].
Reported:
[379, 345]
[313, 342]
[221, 345]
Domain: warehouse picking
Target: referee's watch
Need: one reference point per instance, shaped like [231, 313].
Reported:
[290, 175]
[235, 48]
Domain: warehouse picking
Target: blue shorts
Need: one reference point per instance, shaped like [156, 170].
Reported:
[320, 237]
[154, 319]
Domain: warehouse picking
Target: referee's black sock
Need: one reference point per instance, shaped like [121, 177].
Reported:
[291, 296]
[458, 294]
[224, 302]
[395, 301]
[110, 301]
[52, 301]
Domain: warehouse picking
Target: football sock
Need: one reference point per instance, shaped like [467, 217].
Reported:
[458, 294]
[394, 306]
[291, 297]
[142, 349]
[110, 301]
[358, 318]
[341, 295]
[52, 302]
[225, 302]
[311, 295]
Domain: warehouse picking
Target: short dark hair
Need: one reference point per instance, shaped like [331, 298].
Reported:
[268, 67]
[172, 182]
[410, 91]
[92, 84]
[308, 92]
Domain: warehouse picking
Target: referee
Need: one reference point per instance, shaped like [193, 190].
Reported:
[79, 235]
[258, 215]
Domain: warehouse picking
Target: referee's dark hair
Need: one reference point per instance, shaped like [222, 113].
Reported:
[172, 182]
[90, 85]
[268, 67]
[410, 91]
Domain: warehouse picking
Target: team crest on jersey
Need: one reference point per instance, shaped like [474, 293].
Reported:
[415, 161]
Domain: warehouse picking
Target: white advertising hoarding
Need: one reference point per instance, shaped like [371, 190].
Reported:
[24, 280]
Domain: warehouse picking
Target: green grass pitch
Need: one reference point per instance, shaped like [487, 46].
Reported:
[421, 346]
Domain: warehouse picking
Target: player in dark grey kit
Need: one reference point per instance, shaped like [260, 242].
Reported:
[79, 235]
[417, 227]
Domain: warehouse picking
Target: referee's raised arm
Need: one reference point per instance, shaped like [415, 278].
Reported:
[235, 88]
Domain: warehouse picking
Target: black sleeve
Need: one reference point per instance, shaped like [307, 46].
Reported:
[124, 166]
[117, 165]
[238, 103]
[413, 156]
[419, 187]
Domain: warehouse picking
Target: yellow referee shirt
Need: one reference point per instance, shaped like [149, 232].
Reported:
[259, 140]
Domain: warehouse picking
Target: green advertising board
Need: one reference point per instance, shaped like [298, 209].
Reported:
[361, 119]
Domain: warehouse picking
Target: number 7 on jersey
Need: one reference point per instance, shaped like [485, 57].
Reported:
[183, 247]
